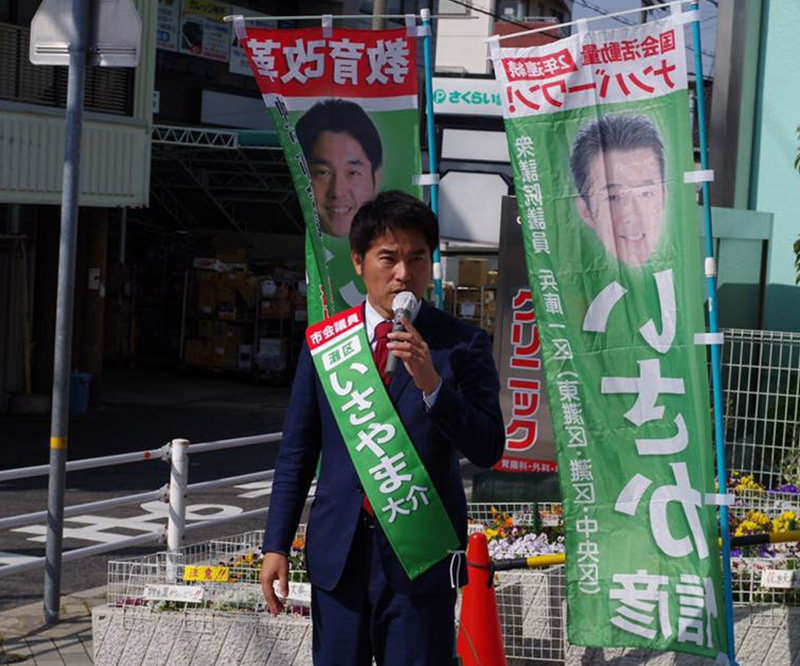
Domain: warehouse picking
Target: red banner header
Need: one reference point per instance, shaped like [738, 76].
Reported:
[348, 63]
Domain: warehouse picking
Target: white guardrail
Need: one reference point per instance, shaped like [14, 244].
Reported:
[175, 492]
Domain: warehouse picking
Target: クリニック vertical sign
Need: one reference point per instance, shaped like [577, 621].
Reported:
[598, 132]
[344, 103]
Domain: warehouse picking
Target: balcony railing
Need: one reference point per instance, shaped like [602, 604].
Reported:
[108, 90]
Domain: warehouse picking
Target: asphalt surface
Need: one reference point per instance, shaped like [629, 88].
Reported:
[141, 410]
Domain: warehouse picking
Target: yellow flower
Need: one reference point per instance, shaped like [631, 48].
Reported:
[786, 522]
[755, 522]
[748, 482]
[491, 534]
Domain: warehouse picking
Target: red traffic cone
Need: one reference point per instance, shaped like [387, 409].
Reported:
[480, 642]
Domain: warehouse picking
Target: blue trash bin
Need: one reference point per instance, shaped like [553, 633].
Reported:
[79, 392]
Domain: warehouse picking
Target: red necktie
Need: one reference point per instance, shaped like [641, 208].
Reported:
[380, 354]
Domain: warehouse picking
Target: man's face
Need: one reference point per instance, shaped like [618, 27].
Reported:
[625, 204]
[342, 178]
[396, 261]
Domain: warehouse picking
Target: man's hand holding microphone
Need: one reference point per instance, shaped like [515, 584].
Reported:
[406, 344]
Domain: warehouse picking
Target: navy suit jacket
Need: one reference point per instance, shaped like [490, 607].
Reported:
[465, 420]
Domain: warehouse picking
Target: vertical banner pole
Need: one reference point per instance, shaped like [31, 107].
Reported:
[438, 291]
[716, 365]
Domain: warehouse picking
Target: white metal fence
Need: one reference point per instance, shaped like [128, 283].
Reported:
[762, 403]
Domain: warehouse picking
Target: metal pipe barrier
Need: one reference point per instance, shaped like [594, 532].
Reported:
[541, 561]
[231, 481]
[75, 510]
[80, 553]
[88, 463]
[177, 453]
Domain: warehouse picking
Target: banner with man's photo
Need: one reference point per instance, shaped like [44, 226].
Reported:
[345, 106]
[598, 132]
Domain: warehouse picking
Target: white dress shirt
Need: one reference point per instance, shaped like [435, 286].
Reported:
[371, 320]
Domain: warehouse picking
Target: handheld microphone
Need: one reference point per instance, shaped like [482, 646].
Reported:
[404, 304]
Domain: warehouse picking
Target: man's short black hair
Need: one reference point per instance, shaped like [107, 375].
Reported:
[341, 117]
[389, 211]
[619, 132]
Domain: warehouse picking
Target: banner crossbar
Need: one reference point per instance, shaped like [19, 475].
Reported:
[590, 19]
[437, 17]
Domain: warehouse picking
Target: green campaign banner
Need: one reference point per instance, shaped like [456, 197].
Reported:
[599, 136]
[390, 470]
[344, 103]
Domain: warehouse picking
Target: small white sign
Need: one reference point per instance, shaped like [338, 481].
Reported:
[299, 593]
[523, 518]
[549, 519]
[780, 579]
[190, 594]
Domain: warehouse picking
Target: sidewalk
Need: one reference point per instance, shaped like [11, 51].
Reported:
[25, 639]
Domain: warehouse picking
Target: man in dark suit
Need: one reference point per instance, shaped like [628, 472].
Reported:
[446, 394]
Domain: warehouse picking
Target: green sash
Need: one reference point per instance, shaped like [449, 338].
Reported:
[391, 472]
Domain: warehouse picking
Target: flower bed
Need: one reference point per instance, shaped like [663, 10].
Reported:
[220, 576]
[513, 536]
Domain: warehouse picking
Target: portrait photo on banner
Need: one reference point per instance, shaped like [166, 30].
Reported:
[620, 171]
[354, 150]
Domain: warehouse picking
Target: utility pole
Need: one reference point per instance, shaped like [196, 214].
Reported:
[64, 33]
[59, 423]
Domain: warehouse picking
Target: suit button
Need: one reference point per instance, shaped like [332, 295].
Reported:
[359, 488]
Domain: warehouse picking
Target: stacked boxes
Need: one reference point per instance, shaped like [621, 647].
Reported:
[224, 314]
[475, 294]
[240, 315]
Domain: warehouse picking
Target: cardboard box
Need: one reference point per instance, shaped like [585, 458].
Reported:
[473, 272]
[272, 308]
[234, 256]
[247, 288]
[207, 292]
[226, 338]
[225, 353]
[205, 329]
[197, 352]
